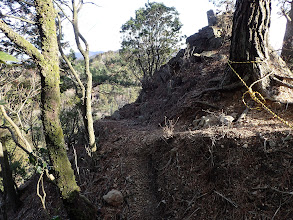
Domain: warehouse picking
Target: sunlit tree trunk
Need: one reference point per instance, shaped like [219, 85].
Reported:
[85, 90]
[287, 48]
[77, 207]
[250, 43]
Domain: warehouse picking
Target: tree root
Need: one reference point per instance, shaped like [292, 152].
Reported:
[281, 83]
[220, 88]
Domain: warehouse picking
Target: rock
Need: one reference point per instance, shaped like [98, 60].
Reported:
[212, 36]
[245, 146]
[205, 121]
[114, 197]
[176, 62]
[162, 75]
[141, 118]
[272, 143]
[207, 55]
[277, 105]
[116, 115]
[212, 19]
[226, 119]
[208, 38]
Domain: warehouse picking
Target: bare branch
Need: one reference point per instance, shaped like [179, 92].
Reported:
[77, 33]
[19, 18]
[64, 3]
[61, 9]
[28, 3]
[16, 142]
[16, 128]
[91, 3]
[285, 14]
[63, 12]
[80, 4]
[72, 70]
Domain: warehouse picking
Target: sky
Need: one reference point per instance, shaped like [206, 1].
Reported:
[101, 24]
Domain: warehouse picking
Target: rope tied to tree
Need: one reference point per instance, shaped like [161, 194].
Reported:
[254, 95]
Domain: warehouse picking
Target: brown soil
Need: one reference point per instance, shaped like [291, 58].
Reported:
[239, 171]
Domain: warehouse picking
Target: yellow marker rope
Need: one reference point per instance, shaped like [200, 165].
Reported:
[256, 96]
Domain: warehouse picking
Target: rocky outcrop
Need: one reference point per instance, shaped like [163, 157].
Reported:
[200, 46]
[171, 80]
[210, 37]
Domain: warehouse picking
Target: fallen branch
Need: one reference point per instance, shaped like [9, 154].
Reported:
[16, 142]
[227, 199]
[192, 213]
[283, 192]
[43, 198]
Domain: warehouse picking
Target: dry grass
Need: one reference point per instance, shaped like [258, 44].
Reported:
[169, 127]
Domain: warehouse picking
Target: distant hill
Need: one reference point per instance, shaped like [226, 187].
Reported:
[91, 53]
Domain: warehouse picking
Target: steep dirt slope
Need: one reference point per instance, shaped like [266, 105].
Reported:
[236, 172]
[173, 156]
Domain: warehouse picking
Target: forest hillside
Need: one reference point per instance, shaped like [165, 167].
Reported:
[187, 148]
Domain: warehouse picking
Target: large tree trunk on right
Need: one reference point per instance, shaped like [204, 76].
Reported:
[250, 44]
[287, 48]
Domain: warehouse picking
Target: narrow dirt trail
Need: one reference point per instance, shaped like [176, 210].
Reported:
[127, 143]
[217, 172]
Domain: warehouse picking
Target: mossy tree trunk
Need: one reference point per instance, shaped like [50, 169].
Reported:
[250, 42]
[77, 206]
[10, 194]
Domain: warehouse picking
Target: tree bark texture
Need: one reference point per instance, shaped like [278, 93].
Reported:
[50, 98]
[8, 182]
[77, 206]
[287, 48]
[250, 43]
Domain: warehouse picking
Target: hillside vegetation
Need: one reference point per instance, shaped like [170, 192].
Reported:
[114, 83]
[182, 147]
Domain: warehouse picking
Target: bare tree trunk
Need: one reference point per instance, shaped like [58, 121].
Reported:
[87, 101]
[250, 44]
[287, 48]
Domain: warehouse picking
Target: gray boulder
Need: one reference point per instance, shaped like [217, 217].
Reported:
[208, 38]
[114, 197]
